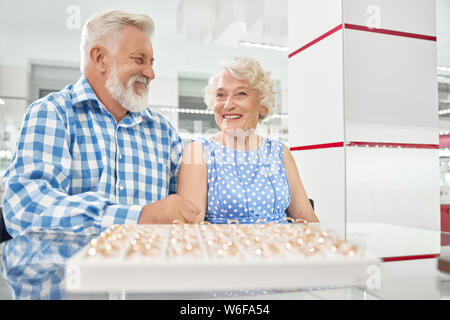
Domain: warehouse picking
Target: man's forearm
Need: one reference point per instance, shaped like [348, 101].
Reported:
[32, 205]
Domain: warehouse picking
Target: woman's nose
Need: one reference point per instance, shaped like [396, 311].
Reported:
[229, 104]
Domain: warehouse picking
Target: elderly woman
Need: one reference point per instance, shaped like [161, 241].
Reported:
[237, 174]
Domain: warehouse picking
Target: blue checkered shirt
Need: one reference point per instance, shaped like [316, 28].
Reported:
[76, 170]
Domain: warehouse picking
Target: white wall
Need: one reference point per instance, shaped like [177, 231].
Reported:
[391, 96]
[359, 86]
[316, 114]
[443, 32]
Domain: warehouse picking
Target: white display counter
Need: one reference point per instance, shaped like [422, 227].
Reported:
[125, 270]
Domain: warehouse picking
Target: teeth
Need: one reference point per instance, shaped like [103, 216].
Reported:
[232, 117]
[142, 83]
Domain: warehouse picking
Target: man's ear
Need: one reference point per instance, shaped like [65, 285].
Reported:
[98, 56]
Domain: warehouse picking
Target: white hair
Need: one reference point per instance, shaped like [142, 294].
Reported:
[249, 69]
[102, 27]
[124, 94]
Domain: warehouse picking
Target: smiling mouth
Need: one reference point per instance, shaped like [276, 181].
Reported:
[232, 117]
[141, 84]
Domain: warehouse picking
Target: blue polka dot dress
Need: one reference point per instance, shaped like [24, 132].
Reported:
[247, 186]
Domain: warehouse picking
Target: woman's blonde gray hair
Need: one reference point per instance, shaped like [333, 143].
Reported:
[101, 28]
[249, 69]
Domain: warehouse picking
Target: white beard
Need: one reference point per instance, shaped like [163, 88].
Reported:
[125, 94]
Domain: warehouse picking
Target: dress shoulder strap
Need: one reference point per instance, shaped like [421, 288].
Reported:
[274, 146]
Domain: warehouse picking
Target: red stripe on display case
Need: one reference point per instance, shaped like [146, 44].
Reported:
[405, 258]
[319, 146]
[390, 32]
[366, 144]
[391, 145]
[309, 44]
[367, 29]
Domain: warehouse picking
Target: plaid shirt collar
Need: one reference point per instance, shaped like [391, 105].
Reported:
[82, 92]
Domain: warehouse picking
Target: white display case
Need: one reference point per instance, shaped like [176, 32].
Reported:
[263, 256]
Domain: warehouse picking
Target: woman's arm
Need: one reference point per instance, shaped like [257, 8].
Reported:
[299, 207]
[193, 177]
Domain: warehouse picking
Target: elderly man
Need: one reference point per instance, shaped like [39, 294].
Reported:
[93, 154]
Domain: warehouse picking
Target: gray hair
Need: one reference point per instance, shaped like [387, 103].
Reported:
[249, 69]
[100, 28]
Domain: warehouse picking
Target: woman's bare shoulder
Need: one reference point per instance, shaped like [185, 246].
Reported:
[194, 153]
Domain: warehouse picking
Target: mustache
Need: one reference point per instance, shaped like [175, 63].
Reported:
[136, 78]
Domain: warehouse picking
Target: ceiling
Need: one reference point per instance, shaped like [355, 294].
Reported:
[234, 21]
[218, 21]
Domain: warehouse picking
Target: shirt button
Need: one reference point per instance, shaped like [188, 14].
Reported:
[120, 156]
[121, 187]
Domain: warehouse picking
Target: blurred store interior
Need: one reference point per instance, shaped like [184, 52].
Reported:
[40, 54]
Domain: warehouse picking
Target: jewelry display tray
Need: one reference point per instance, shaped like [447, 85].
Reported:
[166, 272]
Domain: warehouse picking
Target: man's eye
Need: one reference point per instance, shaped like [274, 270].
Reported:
[220, 95]
[139, 60]
[242, 93]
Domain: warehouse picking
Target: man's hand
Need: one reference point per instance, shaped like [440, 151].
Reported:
[172, 208]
